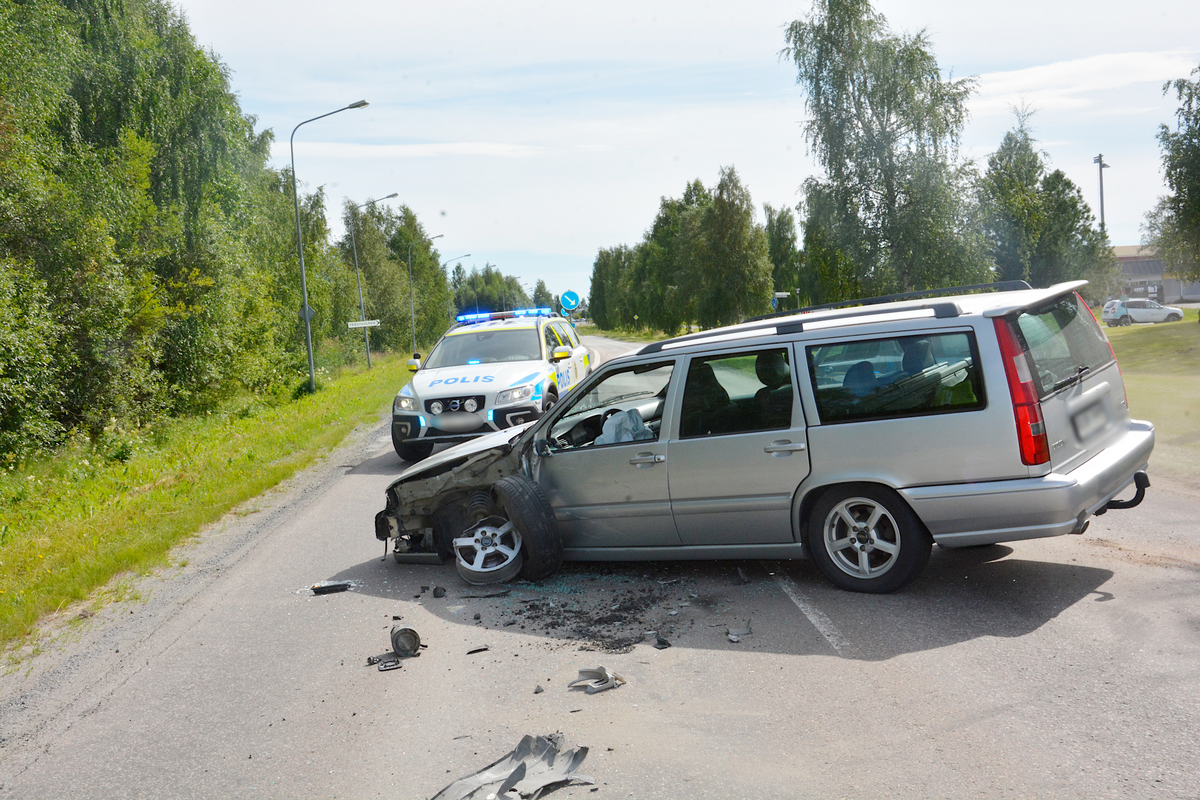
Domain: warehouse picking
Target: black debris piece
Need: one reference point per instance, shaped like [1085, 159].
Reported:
[537, 763]
[330, 587]
[439, 591]
[405, 641]
[477, 649]
[538, 689]
[396, 617]
[424, 589]
[742, 576]
[478, 617]
[661, 644]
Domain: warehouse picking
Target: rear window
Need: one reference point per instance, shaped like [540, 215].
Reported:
[1061, 338]
[896, 377]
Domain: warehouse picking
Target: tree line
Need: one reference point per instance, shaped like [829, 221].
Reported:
[148, 260]
[897, 207]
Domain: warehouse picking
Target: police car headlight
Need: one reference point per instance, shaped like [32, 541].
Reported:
[470, 405]
[404, 404]
[435, 407]
[513, 395]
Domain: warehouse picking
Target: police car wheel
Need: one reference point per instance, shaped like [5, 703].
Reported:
[413, 451]
[526, 505]
[548, 403]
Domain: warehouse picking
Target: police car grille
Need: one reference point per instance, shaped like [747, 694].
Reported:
[455, 403]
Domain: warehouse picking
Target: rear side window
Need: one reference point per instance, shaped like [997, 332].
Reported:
[896, 377]
[1061, 338]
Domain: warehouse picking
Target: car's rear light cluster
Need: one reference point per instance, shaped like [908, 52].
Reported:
[1031, 428]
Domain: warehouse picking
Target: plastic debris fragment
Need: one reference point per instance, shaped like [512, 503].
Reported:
[538, 689]
[477, 649]
[742, 576]
[330, 587]
[597, 680]
[661, 643]
[746, 631]
[439, 591]
[537, 763]
[389, 663]
[493, 593]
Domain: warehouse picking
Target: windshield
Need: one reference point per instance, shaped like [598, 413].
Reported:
[486, 347]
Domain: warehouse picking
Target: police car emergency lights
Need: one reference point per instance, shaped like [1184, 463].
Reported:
[491, 371]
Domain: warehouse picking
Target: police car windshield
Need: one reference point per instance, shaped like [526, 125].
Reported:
[486, 346]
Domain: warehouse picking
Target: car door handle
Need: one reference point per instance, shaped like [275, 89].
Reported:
[647, 458]
[783, 447]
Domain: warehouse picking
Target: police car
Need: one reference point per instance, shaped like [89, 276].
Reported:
[489, 372]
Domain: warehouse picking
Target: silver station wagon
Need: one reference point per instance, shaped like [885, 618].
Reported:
[857, 435]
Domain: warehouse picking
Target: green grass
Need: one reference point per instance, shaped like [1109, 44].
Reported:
[1161, 368]
[71, 523]
[640, 336]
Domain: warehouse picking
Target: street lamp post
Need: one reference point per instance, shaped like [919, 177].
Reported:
[354, 247]
[1102, 166]
[412, 302]
[306, 312]
[444, 264]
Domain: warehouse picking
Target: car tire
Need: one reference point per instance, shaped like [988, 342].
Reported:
[551, 399]
[489, 552]
[525, 503]
[865, 538]
[1126, 321]
[412, 451]
[1174, 318]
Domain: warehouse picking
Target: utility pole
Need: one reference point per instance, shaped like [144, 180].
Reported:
[1102, 166]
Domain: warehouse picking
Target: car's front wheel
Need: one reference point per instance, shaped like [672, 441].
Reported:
[865, 538]
[411, 451]
[1125, 320]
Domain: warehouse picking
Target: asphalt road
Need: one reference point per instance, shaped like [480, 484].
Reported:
[1059, 668]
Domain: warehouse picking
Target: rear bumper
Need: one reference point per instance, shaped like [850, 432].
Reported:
[968, 514]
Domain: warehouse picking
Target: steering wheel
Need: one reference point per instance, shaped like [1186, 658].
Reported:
[610, 412]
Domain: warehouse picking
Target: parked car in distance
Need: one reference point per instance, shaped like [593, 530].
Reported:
[857, 435]
[489, 372]
[1127, 312]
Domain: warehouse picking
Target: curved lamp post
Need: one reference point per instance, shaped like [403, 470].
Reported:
[353, 246]
[444, 263]
[306, 312]
[412, 303]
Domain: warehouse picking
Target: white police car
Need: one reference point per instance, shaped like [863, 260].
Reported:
[489, 372]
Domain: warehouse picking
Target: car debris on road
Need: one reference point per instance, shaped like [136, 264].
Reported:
[597, 680]
[535, 764]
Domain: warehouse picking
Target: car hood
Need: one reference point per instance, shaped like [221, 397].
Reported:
[451, 456]
[472, 378]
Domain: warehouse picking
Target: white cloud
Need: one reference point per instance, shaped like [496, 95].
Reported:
[1079, 83]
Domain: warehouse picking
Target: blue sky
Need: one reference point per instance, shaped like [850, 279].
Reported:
[531, 134]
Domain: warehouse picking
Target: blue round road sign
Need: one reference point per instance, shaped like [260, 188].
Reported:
[569, 300]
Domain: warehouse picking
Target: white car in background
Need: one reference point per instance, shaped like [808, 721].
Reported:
[1127, 312]
[489, 372]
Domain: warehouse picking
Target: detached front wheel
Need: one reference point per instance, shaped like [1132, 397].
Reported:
[865, 538]
[521, 539]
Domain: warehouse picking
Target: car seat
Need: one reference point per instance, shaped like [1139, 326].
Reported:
[773, 402]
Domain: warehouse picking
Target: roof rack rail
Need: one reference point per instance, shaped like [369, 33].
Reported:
[999, 286]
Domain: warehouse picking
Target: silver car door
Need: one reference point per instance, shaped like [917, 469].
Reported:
[739, 450]
[604, 463]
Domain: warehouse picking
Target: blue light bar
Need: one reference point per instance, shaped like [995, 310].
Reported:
[533, 312]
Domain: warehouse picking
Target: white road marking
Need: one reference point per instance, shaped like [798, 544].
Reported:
[817, 617]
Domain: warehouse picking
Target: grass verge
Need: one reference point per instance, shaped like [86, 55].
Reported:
[1161, 367]
[71, 523]
[621, 334]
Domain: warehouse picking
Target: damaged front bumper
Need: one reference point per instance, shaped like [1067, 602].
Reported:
[427, 501]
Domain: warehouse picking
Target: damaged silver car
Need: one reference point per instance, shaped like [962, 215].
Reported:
[856, 436]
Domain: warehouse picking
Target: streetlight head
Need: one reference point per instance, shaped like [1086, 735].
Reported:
[390, 196]
[359, 104]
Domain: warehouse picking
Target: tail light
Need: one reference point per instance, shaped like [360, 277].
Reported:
[1031, 428]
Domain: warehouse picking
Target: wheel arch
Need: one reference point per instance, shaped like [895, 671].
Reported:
[807, 496]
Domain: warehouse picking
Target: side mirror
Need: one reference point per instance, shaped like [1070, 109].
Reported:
[560, 354]
[542, 448]
[414, 364]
